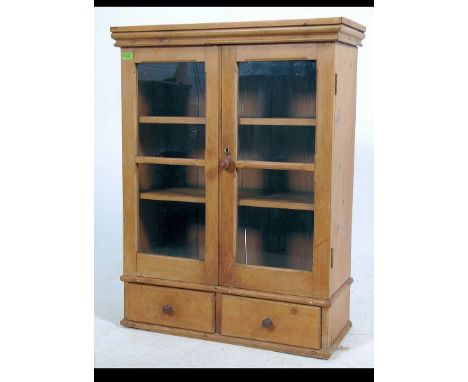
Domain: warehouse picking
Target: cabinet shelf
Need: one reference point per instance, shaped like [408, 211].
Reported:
[287, 200]
[170, 161]
[263, 165]
[174, 120]
[176, 194]
[247, 197]
[278, 121]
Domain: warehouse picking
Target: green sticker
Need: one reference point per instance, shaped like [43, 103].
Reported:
[127, 56]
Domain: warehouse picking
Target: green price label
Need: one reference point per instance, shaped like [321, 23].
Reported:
[127, 56]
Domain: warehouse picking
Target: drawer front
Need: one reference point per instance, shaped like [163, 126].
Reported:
[178, 308]
[280, 322]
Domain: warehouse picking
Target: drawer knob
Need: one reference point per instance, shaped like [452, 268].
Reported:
[167, 309]
[267, 323]
[226, 164]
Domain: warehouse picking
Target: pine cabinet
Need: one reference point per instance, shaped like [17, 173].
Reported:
[238, 145]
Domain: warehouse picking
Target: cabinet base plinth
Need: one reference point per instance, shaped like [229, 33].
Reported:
[322, 353]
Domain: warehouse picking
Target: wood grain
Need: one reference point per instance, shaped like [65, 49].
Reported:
[287, 200]
[285, 166]
[331, 30]
[237, 291]
[174, 120]
[322, 173]
[171, 161]
[310, 284]
[326, 338]
[129, 169]
[242, 24]
[191, 309]
[277, 280]
[219, 311]
[177, 194]
[168, 283]
[273, 296]
[278, 121]
[293, 324]
[171, 268]
[228, 190]
[213, 105]
[321, 353]
[161, 54]
[217, 298]
[339, 313]
[343, 164]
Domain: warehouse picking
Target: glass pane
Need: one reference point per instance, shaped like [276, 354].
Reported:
[275, 181]
[172, 229]
[176, 227]
[277, 143]
[277, 89]
[172, 141]
[275, 237]
[161, 177]
[171, 89]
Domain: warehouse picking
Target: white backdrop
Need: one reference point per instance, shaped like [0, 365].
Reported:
[108, 187]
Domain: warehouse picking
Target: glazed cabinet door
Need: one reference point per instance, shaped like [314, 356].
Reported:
[170, 162]
[276, 107]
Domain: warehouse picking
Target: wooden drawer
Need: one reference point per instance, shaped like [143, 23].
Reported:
[291, 324]
[178, 308]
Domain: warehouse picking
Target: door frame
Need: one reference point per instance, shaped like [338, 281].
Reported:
[288, 281]
[164, 267]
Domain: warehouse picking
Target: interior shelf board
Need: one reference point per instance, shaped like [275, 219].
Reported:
[278, 121]
[286, 200]
[176, 194]
[170, 161]
[275, 165]
[176, 254]
[174, 120]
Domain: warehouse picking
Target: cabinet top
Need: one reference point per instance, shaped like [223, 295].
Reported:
[247, 32]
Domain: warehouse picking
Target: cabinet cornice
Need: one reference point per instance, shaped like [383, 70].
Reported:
[317, 30]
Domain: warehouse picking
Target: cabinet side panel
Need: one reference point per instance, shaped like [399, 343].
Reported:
[339, 314]
[129, 169]
[343, 163]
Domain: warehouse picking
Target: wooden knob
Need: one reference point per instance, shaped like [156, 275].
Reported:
[167, 309]
[267, 323]
[226, 163]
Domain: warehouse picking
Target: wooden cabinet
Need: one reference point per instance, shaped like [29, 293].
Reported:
[238, 144]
